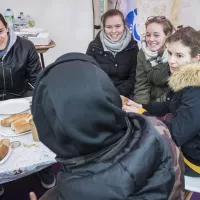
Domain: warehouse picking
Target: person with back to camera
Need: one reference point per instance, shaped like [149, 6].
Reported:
[152, 71]
[116, 51]
[105, 153]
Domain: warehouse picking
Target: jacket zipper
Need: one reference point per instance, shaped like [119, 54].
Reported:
[11, 77]
[4, 83]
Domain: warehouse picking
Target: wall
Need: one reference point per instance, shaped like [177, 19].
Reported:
[68, 21]
[168, 8]
[180, 12]
[189, 15]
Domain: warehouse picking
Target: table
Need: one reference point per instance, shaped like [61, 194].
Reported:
[42, 49]
[192, 184]
[25, 160]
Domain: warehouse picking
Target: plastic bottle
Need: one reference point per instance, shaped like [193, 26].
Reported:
[21, 14]
[30, 21]
[9, 17]
[24, 20]
[18, 25]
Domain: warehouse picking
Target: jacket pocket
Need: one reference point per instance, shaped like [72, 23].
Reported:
[11, 77]
[8, 77]
[97, 51]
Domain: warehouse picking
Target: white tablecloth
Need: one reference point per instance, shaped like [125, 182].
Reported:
[192, 184]
[25, 160]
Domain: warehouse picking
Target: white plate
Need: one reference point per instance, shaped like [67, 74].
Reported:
[8, 132]
[7, 156]
[14, 106]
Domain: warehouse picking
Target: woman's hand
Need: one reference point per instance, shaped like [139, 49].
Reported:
[32, 196]
[131, 109]
[132, 103]
[131, 106]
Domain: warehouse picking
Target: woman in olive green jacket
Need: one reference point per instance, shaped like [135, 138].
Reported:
[152, 70]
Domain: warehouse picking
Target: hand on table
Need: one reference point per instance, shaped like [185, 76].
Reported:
[32, 196]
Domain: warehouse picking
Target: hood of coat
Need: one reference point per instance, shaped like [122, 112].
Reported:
[76, 108]
[185, 76]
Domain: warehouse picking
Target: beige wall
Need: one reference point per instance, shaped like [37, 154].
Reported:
[180, 12]
[190, 13]
[167, 8]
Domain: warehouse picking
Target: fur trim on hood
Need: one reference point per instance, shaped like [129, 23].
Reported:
[185, 76]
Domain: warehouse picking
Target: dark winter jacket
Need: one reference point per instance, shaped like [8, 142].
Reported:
[19, 68]
[184, 104]
[121, 68]
[151, 82]
[105, 153]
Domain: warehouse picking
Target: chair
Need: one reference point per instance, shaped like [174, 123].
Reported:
[192, 184]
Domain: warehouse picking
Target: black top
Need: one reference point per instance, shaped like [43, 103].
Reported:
[121, 69]
[20, 66]
[105, 153]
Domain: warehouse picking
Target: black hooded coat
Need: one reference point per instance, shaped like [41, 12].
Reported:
[105, 153]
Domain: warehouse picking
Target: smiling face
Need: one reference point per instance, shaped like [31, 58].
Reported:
[114, 27]
[3, 36]
[155, 36]
[178, 55]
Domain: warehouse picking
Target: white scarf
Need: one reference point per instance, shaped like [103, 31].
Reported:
[115, 46]
[153, 57]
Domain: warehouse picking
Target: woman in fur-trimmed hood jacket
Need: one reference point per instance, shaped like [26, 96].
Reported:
[181, 109]
[183, 102]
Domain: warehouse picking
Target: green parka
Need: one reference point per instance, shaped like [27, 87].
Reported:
[151, 82]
